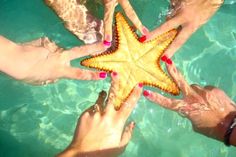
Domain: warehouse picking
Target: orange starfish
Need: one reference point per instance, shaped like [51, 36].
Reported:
[135, 62]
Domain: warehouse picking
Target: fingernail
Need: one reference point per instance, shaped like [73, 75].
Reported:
[102, 75]
[146, 93]
[169, 61]
[142, 39]
[140, 85]
[145, 30]
[164, 58]
[106, 43]
[114, 73]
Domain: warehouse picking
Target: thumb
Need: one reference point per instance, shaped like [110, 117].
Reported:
[165, 27]
[127, 134]
[81, 74]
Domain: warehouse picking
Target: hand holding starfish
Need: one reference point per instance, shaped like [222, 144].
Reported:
[208, 108]
[190, 14]
[42, 61]
[100, 131]
[108, 18]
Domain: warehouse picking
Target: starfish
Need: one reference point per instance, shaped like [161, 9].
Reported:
[134, 61]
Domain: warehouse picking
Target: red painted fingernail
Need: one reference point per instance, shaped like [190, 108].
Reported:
[164, 58]
[114, 73]
[140, 85]
[106, 43]
[146, 93]
[142, 38]
[169, 61]
[102, 75]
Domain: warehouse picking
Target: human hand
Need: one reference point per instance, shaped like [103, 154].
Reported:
[190, 14]
[87, 27]
[78, 19]
[42, 61]
[108, 19]
[208, 108]
[100, 130]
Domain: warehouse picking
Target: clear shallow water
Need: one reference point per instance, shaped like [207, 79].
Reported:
[40, 121]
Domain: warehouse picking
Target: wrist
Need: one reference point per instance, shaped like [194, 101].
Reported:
[220, 129]
[233, 137]
[223, 129]
[230, 135]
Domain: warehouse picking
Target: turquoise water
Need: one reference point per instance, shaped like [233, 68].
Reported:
[40, 121]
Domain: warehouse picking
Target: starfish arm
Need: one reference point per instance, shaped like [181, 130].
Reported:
[163, 81]
[108, 61]
[126, 84]
[154, 76]
[160, 44]
[125, 34]
[108, 66]
[153, 73]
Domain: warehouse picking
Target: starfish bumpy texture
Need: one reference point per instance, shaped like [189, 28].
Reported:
[135, 62]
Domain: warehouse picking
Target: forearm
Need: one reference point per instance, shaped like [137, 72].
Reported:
[78, 20]
[12, 59]
[7, 51]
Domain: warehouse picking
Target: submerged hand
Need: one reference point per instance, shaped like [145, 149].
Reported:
[42, 61]
[101, 130]
[108, 17]
[208, 108]
[87, 27]
[190, 14]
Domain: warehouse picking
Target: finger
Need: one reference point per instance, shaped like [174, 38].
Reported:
[179, 41]
[209, 87]
[91, 111]
[112, 92]
[168, 103]
[197, 88]
[127, 134]
[128, 106]
[101, 100]
[175, 6]
[178, 78]
[129, 11]
[80, 74]
[97, 107]
[217, 92]
[165, 27]
[85, 50]
[223, 98]
[108, 20]
[37, 42]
